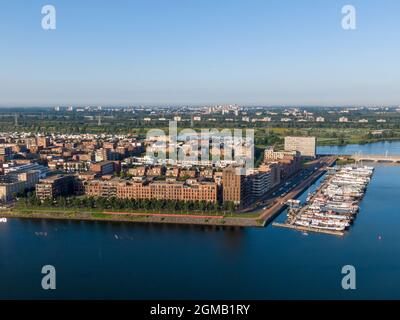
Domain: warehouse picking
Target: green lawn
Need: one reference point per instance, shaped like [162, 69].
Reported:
[78, 211]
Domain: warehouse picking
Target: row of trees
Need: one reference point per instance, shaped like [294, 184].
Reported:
[114, 203]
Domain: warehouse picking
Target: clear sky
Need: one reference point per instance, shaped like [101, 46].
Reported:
[263, 52]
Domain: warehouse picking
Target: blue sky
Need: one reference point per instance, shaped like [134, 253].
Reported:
[263, 52]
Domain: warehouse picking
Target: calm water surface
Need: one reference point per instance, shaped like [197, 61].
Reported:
[117, 260]
[384, 147]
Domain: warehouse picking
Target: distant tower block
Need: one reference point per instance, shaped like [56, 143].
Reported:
[99, 121]
[16, 119]
[305, 145]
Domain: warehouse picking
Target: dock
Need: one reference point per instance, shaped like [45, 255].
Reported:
[308, 229]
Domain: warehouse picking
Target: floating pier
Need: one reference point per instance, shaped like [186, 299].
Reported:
[308, 229]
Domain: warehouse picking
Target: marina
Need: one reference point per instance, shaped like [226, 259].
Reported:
[334, 206]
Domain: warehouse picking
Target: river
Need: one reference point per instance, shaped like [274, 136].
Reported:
[105, 260]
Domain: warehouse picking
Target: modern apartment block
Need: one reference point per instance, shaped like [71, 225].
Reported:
[305, 145]
[17, 183]
[288, 161]
[271, 155]
[274, 169]
[160, 190]
[103, 167]
[260, 182]
[54, 186]
[43, 141]
[5, 153]
[103, 154]
[234, 186]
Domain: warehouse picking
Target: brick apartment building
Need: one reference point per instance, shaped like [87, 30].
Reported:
[288, 161]
[234, 187]
[54, 186]
[103, 167]
[161, 190]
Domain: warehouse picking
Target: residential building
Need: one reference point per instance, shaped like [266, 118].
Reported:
[259, 182]
[13, 185]
[234, 186]
[145, 189]
[103, 167]
[305, 145]
[43, 141]
[54, 186]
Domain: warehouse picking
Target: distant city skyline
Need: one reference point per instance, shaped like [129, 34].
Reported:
[254, 53]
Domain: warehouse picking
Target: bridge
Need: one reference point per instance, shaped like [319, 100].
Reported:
[376, 157]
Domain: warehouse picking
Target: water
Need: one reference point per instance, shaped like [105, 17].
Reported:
[383, 147]
[139, 261]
